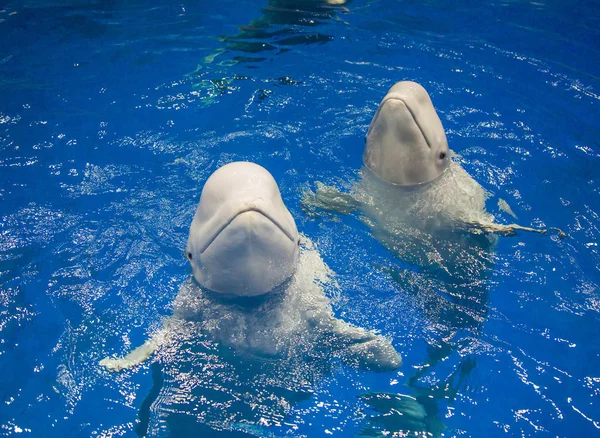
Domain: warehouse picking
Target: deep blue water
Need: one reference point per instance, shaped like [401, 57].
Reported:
[112, 116]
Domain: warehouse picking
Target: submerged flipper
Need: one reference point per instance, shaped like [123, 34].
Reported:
[402, 415]
[503, 206]
[510, 229]
[330, 199]
[140, 354]
[361, 347]
[141, 428]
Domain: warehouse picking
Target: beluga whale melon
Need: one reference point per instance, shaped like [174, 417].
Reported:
[257, 284]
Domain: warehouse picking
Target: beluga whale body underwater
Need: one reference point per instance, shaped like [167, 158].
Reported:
[257, 284]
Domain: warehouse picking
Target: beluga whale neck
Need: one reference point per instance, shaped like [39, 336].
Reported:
[406, 144]
[242, 225]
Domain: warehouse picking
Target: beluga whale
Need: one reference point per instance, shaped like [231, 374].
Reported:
[431, 215]
[410, 175]
[258, 286]
[418, 201]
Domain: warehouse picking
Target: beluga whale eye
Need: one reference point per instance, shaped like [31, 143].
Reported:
[189, 256]
[442, 155]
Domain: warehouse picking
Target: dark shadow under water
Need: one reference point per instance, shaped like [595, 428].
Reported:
[452, 295]
[284, 24]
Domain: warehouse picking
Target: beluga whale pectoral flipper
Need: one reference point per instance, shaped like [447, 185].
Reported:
[258, 285]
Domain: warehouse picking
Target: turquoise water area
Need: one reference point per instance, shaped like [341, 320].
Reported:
[112, 116]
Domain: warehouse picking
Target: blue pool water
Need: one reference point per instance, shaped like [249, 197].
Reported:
[112, 116]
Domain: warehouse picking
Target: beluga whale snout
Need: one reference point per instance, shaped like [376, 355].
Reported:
[240, 227]
[406, 143]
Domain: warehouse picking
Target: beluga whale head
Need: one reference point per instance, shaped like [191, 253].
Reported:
[406, 143]
[243, 240]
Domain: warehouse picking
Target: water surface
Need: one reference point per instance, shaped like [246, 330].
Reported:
[112, 116]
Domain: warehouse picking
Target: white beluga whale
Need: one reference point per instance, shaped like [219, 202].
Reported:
[258, 286]
[425, 208]
[409, 176]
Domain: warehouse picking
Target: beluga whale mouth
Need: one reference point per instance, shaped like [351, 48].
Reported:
[406, 144]
[244, 215]
[243, 240]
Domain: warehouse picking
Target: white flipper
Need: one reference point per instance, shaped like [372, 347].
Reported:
[355, 345]
[329, 198]
[362, 347]
[141, 353]
[510, 229]
[503, 206]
